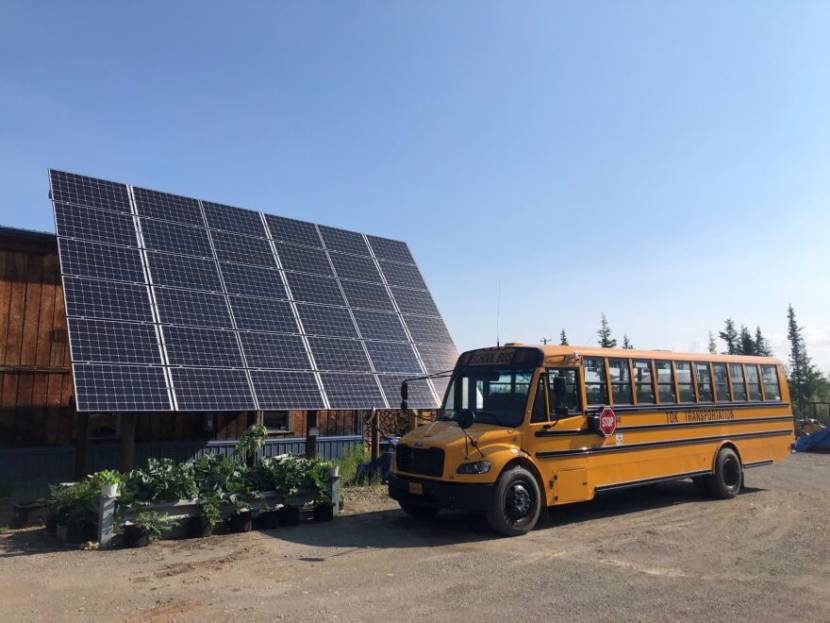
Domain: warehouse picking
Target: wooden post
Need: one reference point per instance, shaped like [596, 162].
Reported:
[375, 449]
[311, 433]
[81, 444]
[127, 450]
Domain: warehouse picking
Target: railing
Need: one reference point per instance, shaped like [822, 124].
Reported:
[29, 471]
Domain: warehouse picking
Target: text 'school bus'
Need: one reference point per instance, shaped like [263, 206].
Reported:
[523, 428]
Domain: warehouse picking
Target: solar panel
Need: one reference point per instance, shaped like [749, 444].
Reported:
[175, 303]
[175, 238]
[189, 346]
[184, 272]
[95, 225]
[104, 341]
[419, 394]
[325, 320]
[120, 388]
[376, 325]
[212, 389]
[351, 391]
[355, 267]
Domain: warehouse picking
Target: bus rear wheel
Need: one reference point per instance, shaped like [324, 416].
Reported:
[728, 478]
[516, 503]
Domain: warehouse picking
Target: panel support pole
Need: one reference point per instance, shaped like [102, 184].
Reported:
[311, 432]
[127, 449]
[81, 444]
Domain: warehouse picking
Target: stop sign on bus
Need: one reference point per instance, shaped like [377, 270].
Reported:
[607, 421]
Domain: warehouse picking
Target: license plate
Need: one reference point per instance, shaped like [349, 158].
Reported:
[416, 487]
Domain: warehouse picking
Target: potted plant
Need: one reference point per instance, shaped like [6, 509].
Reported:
[209, 515]
[74, 511]
[267, 519]
[108, 481]
[148, 526]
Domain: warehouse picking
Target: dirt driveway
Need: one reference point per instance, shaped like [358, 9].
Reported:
[658, 554]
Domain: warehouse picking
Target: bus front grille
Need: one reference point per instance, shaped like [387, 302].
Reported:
[424, 461]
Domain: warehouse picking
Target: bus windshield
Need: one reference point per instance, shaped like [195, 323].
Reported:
[496, 394]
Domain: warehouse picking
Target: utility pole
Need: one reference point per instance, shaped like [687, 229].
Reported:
[545, 340]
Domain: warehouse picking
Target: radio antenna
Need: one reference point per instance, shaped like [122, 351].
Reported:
[498, 313]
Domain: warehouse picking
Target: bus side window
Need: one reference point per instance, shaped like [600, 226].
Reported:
[595, 388]
[665, 382]
[685, 384]
[643, 382]
[736, 375]
[540, 404]
[704, 381]
[571, 385]
[770, 377]
[620, 381]
[753, 382]
[721, 382]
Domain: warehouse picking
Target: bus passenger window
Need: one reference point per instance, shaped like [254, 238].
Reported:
[771, 389]
[704, 382]
[572, 388]
[684, 381]
[665, 382]
[595, 388]
[721, 381]
[643, 382]
[736, 375]
[620, 381]
[753, 382]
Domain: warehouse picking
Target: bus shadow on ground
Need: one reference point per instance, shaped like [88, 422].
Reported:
[394, 529]
[29, 542]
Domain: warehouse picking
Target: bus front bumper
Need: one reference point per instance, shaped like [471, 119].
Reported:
[450, 495]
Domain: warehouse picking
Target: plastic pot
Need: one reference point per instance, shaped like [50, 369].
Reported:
[324, 512]
[289, 515]
[136, 535]
[241, 522]
[199, 527]
[267, 520]
[110, 491]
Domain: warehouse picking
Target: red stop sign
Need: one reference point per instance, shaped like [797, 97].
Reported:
[607, 421]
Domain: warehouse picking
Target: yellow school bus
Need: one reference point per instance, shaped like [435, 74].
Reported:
[523, 428]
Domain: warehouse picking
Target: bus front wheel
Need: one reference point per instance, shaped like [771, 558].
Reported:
[728, 477]
[516, 503]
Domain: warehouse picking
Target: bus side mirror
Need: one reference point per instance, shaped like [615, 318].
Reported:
[465, 418]
[560, 391]
[404, 396]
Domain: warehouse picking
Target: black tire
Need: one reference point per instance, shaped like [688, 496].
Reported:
[728, 478]
[516, 504]
[419, 511]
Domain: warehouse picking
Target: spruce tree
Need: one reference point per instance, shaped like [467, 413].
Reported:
[713, 347]
[626, 344]
[730, 337]
[802, 374]
[604, 333]
[762, 347]
[563, 339]
[746, 345]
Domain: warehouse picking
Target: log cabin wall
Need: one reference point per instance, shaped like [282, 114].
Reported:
[35, 379]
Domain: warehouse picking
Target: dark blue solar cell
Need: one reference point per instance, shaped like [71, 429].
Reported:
[375, 325]
[89, 191]
[184, 272]
[304, 259]
[237, 220]
[367, 295]
[104, 299]
[286, 390]
[314, 289]
[337, 354]
[393, 357]
[95, 225]
[325, 320]
[419, 394]
[103, 341]
[295, 232]
[352, 391]
[415, 302]
[354, 267]
[190, 308]
[253, 281]
[175, 238]
[243, 249]
[406, 275]
[189, 346]
[98, 261]
[263, 315]
[274, 350]
[343, 240]
[387, 249]
[120, 388]
[168, 207]
[208, 389]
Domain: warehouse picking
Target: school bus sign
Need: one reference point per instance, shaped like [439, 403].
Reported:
[607, 421]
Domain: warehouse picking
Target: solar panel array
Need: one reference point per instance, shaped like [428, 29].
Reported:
[179, 304]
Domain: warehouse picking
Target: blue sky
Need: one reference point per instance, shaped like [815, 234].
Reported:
[665, 163]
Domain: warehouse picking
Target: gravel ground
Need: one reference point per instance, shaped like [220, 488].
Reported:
[654, 554]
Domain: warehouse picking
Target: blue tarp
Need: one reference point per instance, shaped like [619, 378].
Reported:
[818, 441]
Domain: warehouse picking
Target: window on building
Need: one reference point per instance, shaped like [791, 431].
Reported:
[736, 375]
[771, 388]
[685, 384]
[753, 382]
[643, 382]
[704, 382]
[721, 381]
[665, 382]
[595, 387]
[620, 381]
[275, 421]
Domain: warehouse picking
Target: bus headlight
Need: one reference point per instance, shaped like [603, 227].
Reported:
[476, 467]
